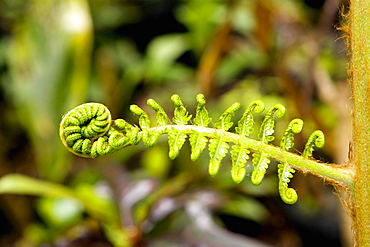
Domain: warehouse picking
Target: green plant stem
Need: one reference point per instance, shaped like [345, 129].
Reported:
[359, 72]
[330, 172]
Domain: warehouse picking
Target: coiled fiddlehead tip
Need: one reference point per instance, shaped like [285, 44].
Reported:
[289, 196]
[317, 138]
[176, 100]
[258, 106]
[256, 178]
[279, 109]
[296, 125]
[136, 110]
[201, 100]
[81, 125]
[320, 138]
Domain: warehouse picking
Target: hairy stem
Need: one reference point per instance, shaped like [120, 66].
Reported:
[359, 33]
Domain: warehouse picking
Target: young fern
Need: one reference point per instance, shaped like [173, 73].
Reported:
[239, 152]
[89, 131]
[285, 171]
[198, 140]
[260, 159]
[218, 145]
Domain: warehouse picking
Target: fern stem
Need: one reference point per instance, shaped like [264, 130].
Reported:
[359, 33]
[332, 173]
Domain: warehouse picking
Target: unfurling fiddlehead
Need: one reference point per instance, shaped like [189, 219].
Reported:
[260, 159]
[285, 171]
[89, 131]
[317, 139]
[239, 152]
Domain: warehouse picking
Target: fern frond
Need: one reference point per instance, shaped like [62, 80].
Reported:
[90, 120]
[224, 122]
[176, 140]
[268, 124]
[260, 163]
[317, 139]
[122, 134]
[239, 156]
[144, 121]
[101, 147]
[245, 124]
[118, 139]
[89, 131]
[201, 117]
[149, 137]
[162, 118]
[198, 142]
[261, 159]
[181, 115]
[218, 148]
[285, 172]
[295, 126]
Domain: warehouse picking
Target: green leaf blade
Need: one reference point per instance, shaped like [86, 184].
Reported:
[218, 149]
[201, 116]
[287, 141]
[144, 121]
[181, 115]
[239, 156]
[245, 124]
[198, 143]
[161, 117]
[150, 138]
[285, 172]
[176, 140]
[317, 139]
[260, 162]
[268, 124]
[224, 122]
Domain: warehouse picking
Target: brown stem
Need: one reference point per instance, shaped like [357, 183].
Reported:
[359, 72]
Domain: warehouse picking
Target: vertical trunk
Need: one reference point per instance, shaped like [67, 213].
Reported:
[359, 72]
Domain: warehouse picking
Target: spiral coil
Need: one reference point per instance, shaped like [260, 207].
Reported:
[86, 129]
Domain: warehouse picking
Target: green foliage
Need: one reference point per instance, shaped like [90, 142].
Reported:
[239, 153]
[176, 138]
[239, 157]
[236, 49]
[198, 141]
[218, 148]
[245, 124]
[260, 159]
[285, 172]
[162, 118]
[201, 118]
[79, 126]
[317, 139]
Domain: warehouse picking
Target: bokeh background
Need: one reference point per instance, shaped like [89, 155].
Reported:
[57, 54]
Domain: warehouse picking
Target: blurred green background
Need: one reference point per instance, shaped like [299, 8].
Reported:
[55, 55]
